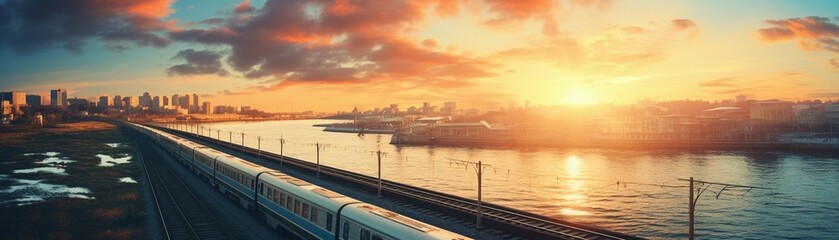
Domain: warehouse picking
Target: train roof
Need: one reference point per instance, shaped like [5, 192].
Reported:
[396, 225]
[306, 190]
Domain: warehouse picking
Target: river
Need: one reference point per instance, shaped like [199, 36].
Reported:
[631, 191]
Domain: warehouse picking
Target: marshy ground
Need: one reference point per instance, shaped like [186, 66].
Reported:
[70, 181]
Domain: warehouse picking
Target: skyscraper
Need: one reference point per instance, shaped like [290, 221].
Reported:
[145, 100]
[104, 102]
[118, 102]
[165, 101]
[184, 102]
[155, 103]
[58, 98]
[208, 107]
[175, 100]
[196, 103]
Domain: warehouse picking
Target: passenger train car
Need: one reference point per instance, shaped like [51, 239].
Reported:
[308, 210]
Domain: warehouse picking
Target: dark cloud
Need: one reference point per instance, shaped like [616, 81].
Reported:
[197, 63]
[335, 42]
[720, 82]
[812, 33]
[31, 25]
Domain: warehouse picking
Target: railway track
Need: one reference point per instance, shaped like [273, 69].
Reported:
[182, 214]
[511, 219]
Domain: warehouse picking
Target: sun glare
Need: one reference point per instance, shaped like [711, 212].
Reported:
[578, 96]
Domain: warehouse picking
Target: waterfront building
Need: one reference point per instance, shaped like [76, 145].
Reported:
[58, 98]
[196, 103]
[16, 100]
[207, 107]
[244, 109]
[831, 114]
[33, 100]
[771, 112]
[175, 101]
[185, 102]
[117, 102]
[811, 119]
[155, 103]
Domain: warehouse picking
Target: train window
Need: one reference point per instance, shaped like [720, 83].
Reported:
[288, 203]
[328, 222]
[261, 188]
[253, 185]
[276, 197]
[282, 199]
[346, 233]
[377, 237]
[365, 235]
[314, 215]
[296, 206]
[305, 211]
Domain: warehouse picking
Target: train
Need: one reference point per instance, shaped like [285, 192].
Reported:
[282, 201]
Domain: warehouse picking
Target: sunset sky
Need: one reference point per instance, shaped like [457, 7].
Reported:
[334, 55]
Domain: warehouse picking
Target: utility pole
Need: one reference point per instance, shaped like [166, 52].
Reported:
[258, 147]
[478, 171]
[690, 211]
[243, 142]
[282, 142]
[699, 190]
[317, 145]
[218, 135]
[230, 142]
[379, 155]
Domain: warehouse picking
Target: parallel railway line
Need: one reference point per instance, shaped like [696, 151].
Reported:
[536, 226]
[182, 213]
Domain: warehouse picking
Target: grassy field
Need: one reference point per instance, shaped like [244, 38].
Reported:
[97, 206]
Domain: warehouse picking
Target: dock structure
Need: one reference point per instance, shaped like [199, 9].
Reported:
[521, 223]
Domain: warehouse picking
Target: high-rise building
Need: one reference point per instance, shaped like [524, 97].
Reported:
[14, 98]
[104, 102]
[184, 102]
[207, 107]
[33, 100]
[394, 108]
[58, 98]
[155, 103]
[130, 102]
[426, 107]
[145, 100]
[118, 102]
[175, 101]
[196, 103]
[165, 101]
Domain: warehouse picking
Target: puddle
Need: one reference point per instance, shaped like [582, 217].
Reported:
[55, 162]
[26, 191]
[55, 170]
[48, 154]
[127, 180]
[114, 145]
[108, 161]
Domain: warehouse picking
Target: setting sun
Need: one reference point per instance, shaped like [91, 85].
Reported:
[578, 96]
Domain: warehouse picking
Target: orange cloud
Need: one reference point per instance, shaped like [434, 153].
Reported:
[812, 33]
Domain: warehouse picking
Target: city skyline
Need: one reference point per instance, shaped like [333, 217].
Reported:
[300, 55]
